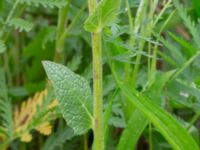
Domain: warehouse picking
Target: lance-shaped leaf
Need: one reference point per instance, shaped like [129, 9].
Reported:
[135, 126]
[74, 95]
[104, 14]
[173, 132]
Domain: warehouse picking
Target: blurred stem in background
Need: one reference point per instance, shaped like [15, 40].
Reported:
[62, 21]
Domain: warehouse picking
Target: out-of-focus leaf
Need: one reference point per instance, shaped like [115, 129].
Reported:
[20, 24]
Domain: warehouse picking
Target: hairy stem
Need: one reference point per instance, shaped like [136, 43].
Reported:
[97, 86]
[97, 95]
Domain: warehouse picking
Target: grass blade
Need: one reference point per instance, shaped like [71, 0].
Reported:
[174, 133]
[133, 130]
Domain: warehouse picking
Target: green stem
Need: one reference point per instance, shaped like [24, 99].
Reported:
[97, 85]
[184, 66]
[140, 15]
[85, 140]
[150, 137]
[74, 21]
[151, 11]
[10, 14]
[194, 119]
[132, 40]
[97, 93]
[62, 17]
[5, 55]
[155, 49]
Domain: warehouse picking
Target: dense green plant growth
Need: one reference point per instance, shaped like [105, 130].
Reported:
[99, 74]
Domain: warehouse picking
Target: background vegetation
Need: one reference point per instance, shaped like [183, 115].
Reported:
[151, 74]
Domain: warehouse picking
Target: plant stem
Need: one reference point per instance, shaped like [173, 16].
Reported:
[85, 140]
[141, 14]
[62, 17]
[10, 14]
[97, 93]
[150, 137]
[194, 119]
[132, 40]
[97, 85]
[74, 21]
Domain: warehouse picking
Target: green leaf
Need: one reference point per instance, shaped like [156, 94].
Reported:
[189, 23]
[104, 14]
[196, 6]
[5, 108]
[58, 138]
[74, 95]
[107, 115]
[46, 3]
[174, 133]
[20, 24]
[133, 131]
[188, 48]
[75, 62]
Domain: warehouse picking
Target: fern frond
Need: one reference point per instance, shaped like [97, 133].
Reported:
[26, 117]
[20, 24]
[45, 3]
[188, 22]
[5, 108]
[26, 137]
[2, 133]
[45, 128]
[2, 46]
[6, 116]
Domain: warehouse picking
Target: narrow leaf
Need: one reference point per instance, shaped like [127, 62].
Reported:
[188, 48]
[133, 131]
[74, 95]
[174, 133]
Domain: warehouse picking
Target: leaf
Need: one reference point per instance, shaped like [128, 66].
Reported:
[196, 6]
[30, 109]
[107, 115]
[74, 95]
[46, 3]
[189, 49]
[174, 133]
[45, 128]
[26, 137]
[5, 108]
[2, 46]
[20, 24]
[133, 131]
[58, 138]
[75, 62]
[104, 14]
[155, 88]
[188, 21]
